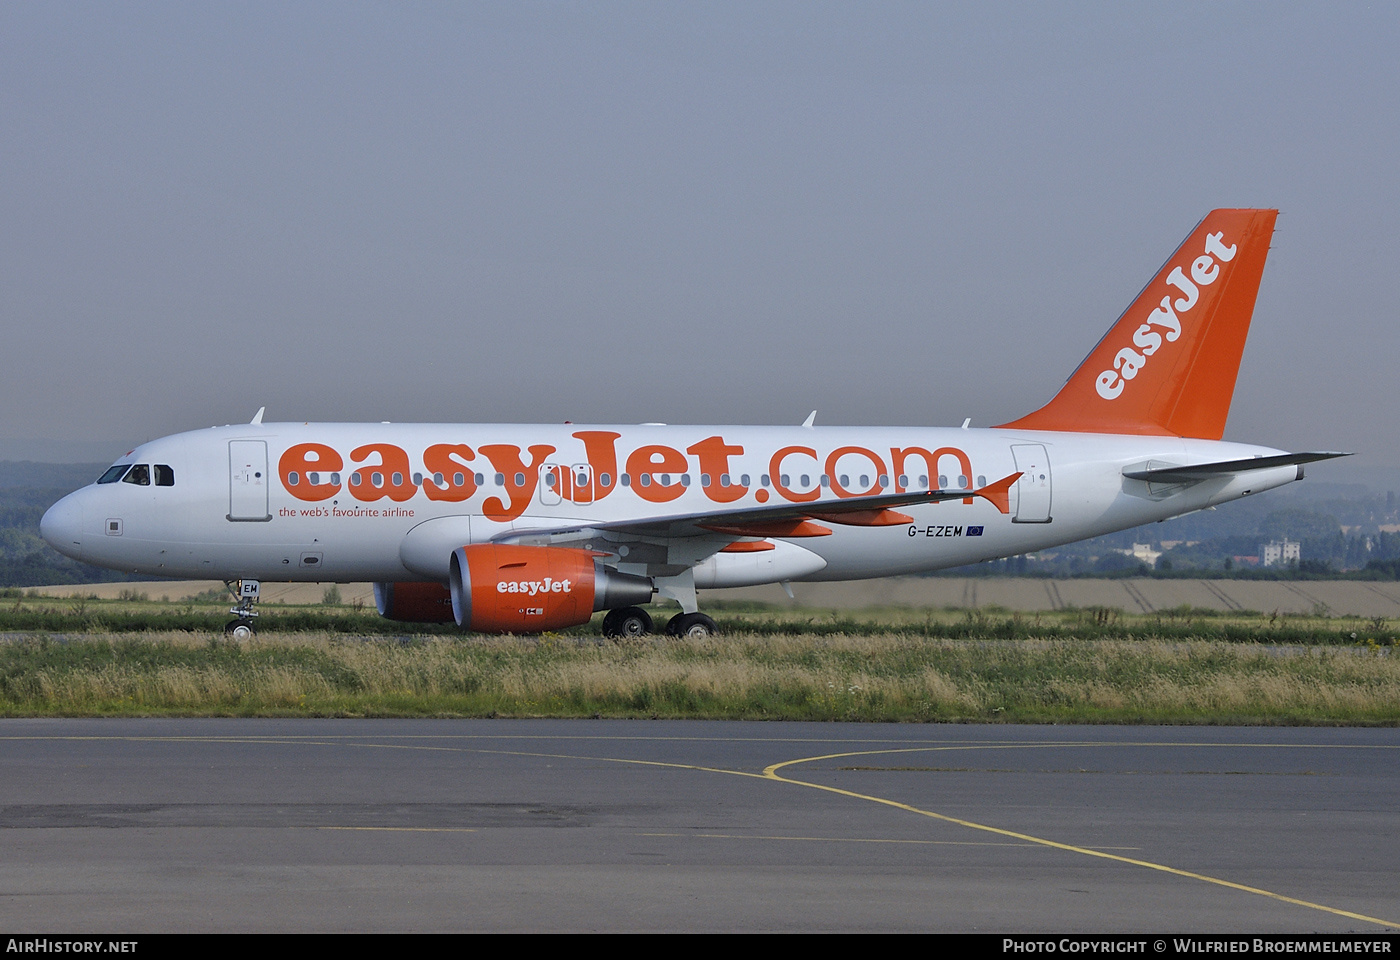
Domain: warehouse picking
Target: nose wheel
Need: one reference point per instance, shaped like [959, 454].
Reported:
[245, 594]
[239, 629]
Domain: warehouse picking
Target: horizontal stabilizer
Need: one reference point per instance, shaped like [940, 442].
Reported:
[1203, 471]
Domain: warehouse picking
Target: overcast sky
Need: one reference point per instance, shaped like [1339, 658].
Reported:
[720, 212]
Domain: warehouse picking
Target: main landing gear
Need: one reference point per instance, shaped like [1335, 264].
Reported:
[692, 626]
[245, 593]
[626, 622]
[633, 622]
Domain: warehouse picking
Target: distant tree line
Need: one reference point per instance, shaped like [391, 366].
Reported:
[26, 491]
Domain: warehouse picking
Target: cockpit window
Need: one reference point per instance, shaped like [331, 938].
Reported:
[165, 477]
[114, 474]
[140, 475]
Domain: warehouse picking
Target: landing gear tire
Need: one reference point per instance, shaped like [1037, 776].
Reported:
[628, 622]
[240, 629]
[692, 626]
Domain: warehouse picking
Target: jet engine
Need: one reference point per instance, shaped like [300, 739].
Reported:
[505, 588]
[414, 602]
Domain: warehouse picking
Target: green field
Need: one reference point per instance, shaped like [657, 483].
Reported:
[80, 656]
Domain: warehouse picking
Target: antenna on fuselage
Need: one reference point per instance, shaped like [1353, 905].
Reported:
[257, 417]
[811, 419]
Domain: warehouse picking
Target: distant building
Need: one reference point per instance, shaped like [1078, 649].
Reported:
[1277, 552]
[1143, 552]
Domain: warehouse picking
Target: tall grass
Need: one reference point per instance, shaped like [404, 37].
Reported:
[754, 675]
[80, 656]
[134, 613]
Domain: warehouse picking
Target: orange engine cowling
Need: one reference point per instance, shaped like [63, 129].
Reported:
[505, 588]
[414, 602]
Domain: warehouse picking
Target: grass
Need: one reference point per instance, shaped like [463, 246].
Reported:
[137, 657]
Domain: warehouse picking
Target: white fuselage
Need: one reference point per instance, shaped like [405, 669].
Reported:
[389, 502]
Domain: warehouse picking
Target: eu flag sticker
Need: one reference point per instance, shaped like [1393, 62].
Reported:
[974, 531]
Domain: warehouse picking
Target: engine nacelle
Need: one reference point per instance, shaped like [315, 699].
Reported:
[414, 602]
[505, 588]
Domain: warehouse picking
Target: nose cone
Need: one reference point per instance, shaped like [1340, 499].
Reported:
[62, 526]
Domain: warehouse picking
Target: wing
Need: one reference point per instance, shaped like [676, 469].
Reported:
[682, 539]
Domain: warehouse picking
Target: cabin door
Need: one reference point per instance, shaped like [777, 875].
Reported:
[247, 480]
[1033, 488]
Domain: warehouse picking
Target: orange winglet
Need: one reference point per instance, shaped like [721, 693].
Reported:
[748, 546]
[1168, 366]
[771, 528]
[999, 494]
[866, 518]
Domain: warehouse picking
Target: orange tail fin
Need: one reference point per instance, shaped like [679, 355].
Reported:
[1168, 366]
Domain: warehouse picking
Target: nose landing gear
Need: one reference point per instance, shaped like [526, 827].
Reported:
[245, 594]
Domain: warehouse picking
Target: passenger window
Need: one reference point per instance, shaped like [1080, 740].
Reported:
[114, 474]
[165, 477]
[140, 475]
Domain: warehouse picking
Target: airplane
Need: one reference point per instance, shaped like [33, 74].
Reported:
[512, 528]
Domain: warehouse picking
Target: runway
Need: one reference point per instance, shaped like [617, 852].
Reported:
[490, 825]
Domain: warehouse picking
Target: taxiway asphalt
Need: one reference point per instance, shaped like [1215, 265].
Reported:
[398, 825]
